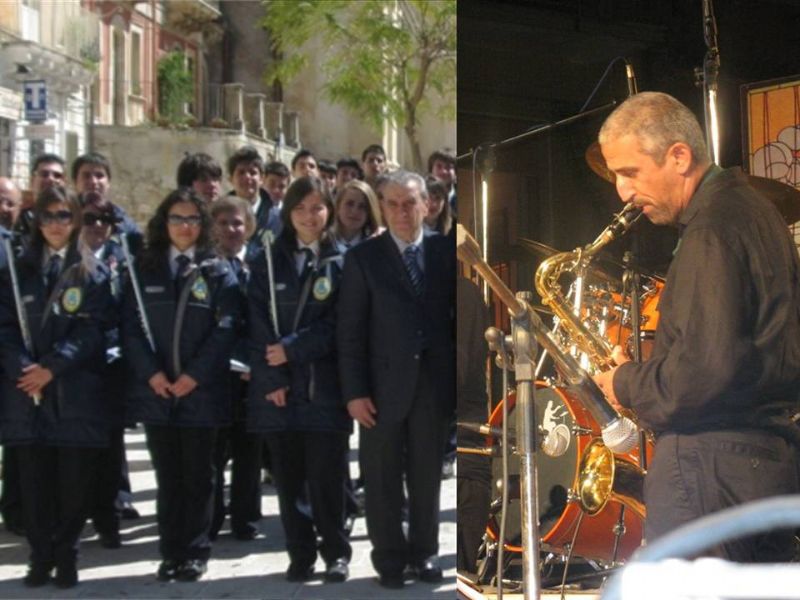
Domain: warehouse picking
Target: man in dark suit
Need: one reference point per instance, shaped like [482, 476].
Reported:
[397, 368]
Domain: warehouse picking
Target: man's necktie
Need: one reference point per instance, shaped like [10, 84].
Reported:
[413, 268]
[52, 272]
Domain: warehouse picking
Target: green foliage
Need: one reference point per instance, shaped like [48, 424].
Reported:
[175, 87]
[382, 63]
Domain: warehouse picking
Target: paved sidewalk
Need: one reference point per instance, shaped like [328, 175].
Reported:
[236, 570]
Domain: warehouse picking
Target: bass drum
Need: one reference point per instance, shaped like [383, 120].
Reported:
[558, 513]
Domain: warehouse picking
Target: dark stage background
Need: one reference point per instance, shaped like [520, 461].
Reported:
[524, 64]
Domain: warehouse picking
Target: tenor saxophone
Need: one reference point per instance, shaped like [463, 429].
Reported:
[602, 475]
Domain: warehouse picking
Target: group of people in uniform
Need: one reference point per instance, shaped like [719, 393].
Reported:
[273, 316]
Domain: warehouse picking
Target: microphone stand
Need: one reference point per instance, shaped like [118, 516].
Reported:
[524, 361]
[708, 77]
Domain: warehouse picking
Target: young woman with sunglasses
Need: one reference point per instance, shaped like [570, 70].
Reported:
[192, 304]
[100, 236]
[53, 402]
[294, 399]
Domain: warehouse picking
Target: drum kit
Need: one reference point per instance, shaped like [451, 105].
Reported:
[588, 499]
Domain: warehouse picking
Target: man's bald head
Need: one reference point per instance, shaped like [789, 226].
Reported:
[10, 201]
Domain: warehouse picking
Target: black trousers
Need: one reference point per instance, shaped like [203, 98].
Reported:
[413, 447]
[315, 458]
[693, 475]
[108, 478]
[56, 488]
[11, 499]
[243, 449]
[183, 461]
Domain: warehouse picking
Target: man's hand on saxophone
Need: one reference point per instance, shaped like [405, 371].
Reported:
[605, 380]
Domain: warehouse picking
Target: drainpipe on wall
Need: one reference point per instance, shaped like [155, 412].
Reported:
[89, 119]
[153, 61]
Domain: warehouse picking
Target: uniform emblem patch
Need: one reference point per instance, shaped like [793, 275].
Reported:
[322, 288]
[200, 289]
[71, 300]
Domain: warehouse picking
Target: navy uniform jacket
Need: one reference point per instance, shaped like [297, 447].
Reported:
[314, 401]
[201, 342]
[240, 351]
[116, 373]
[68, 339]
[385, 330]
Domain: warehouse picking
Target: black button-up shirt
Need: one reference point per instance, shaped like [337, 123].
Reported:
[727, 350]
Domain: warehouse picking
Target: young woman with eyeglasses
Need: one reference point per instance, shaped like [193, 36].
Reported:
[191, 304]
[53, 402]
[294, 398]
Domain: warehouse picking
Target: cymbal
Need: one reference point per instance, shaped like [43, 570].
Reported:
[538, 247]
[596, 162]
[783, 196]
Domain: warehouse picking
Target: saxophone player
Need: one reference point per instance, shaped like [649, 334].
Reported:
[725, 371]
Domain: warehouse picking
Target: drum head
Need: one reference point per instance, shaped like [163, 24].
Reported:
[556, 475]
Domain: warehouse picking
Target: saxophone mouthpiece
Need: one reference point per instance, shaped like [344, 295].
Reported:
[623, 221]
[630, 214]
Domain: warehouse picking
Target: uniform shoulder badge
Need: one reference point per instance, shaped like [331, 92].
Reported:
[200, 289]
[71, 299]
[322, 288]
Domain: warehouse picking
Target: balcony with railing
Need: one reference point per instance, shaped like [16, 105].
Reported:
[190, 17]
[230, 106]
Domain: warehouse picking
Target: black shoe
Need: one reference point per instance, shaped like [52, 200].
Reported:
[66, 576]
[168, 570]
[297, 573]
[192, 569]
[428, 570]
[129, 511]
[337, 571]
[392, 581]
[110, 539]
[37, 575]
